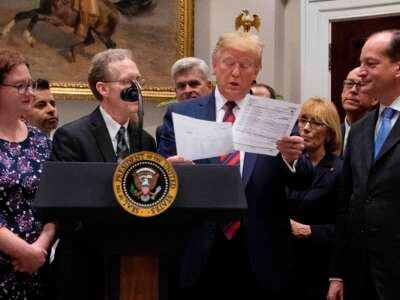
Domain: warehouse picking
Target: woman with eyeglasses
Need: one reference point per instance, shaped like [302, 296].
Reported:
[312, 211]
[24, 241]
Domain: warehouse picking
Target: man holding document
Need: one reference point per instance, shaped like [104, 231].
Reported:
[249, 258]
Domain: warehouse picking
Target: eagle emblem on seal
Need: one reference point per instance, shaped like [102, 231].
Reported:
[144, 185]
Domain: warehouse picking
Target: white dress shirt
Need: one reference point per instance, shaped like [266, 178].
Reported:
[113, 127]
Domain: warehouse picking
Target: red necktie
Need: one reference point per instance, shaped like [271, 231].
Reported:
[231, 159]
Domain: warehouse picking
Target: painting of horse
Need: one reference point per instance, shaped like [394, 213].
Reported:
[59, 37]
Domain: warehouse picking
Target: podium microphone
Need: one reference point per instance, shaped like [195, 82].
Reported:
[133, 94]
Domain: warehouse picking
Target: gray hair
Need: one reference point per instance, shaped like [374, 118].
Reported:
[99, 71]
[188, 64]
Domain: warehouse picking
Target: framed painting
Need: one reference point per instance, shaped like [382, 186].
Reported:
[157, 31]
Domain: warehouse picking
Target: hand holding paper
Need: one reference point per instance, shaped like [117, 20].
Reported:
[197, 139]
[259, 126]
[261, 123]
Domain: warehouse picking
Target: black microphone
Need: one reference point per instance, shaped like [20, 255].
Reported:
[133, 94]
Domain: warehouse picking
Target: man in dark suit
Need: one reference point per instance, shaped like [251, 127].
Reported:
[356, 103]
[252, 263]
[107, 134]
[366, 260]
[191, 77]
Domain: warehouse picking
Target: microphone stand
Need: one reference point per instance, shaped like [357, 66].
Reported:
[140, 112]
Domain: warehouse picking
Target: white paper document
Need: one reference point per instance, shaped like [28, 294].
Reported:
[261, 122]
[197, 139]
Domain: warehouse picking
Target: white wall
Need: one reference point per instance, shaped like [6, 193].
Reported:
[316, 19]
[215, 17]
[291, 61]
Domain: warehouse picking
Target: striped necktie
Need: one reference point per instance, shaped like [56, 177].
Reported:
[232, 159]
[122, 145]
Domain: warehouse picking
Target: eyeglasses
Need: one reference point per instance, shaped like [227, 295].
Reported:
[350, 83]
[313, 124]
[192, 83]
[23, 87]
[126, 82]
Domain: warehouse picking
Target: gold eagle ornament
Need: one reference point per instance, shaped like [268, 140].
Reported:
[247, 21]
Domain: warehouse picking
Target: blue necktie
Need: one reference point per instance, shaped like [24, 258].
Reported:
[383, 132]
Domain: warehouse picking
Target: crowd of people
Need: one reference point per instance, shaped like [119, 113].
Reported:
[322, 217]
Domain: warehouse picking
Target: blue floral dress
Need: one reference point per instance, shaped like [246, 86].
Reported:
[20, 169]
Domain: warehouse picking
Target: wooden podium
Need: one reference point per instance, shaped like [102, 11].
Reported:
[83, 191]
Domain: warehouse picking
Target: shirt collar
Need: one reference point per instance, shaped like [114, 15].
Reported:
[395, 105]
[346, 124]
[112, 125]
[220, 100]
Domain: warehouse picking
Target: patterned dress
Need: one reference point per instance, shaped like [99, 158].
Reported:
[20, 168]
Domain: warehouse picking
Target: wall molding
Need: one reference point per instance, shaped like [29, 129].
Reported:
[316, 18]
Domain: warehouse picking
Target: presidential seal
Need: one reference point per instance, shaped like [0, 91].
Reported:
[145, 184]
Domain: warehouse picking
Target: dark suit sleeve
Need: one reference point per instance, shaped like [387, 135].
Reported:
[148, 143]
[320, 202]
[339, 245]
[66, 146]
[302, 178]
[328, 198]
[167, 146]
[158, 134]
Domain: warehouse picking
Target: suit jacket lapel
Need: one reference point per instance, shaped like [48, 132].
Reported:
[248, 166]
[206, 111]
[324, 166]
[206, 108]
[133, 133]
[366, 146]
[100, 133]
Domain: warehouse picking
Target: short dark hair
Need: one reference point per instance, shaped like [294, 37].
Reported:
[42, 84]
[8, 60]
[393, 50]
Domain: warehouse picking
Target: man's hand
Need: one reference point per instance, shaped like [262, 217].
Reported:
[299, 230]
[335, 291]
[290, 147]
[176, 159]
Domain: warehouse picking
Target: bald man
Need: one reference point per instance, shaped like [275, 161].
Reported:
[356, 103]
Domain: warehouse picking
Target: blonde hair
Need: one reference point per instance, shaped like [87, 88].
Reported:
[242, 41]
[324, 111]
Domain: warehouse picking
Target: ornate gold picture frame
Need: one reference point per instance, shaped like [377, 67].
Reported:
[157, 37]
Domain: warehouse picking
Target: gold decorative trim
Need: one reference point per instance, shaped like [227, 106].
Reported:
[185, 28]
[185, 46]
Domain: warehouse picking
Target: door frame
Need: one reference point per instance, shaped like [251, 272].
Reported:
[316, 18]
